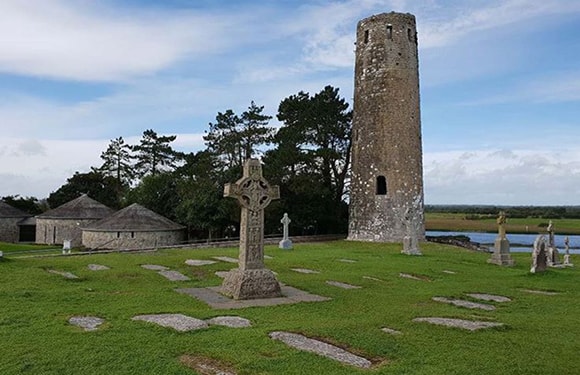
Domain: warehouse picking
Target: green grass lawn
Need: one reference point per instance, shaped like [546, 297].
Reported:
[458, 222]
[541, 336]
[7, 247]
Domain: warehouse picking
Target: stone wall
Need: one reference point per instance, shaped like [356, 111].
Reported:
[9, 231]
[55, 231]
[386, 200]
[131, 240]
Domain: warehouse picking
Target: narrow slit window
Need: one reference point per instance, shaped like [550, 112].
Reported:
[381, 185]
[118, 234]
[132, 234]
[366, 36]
[409, 35]
[389, 31]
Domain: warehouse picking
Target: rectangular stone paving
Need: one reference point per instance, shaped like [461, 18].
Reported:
[304, 270]
[173, 275]
[321, 348]
[489, 297]
[179, 322]
[466, 304]
[227, 259]
[342, 285]
[66, 275]
[199, 262]
[216, 300]
[154, 267]
[470, 325]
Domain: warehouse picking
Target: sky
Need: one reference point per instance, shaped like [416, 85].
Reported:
[500, 83]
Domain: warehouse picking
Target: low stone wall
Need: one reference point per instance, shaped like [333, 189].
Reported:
[9, 231]
[131, 240]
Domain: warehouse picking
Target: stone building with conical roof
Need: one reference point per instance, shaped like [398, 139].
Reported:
[65, 222]
[10, 217]
[134, 227]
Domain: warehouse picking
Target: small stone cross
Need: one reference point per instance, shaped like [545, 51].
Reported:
[285, 243]
[254, 194]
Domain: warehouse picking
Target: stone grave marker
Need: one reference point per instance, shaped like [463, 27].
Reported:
[501, 253]
[285, 243]
[251, 279]
[539, 255]
[66, 247]
[553, 255]
[567, 254]
[88, 323]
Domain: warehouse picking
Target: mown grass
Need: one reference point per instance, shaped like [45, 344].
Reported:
[458, 222]
[541, 336]
[7, 247]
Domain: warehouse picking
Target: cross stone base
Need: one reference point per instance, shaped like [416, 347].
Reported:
[410, 246]
[501, 254]
[251, 284]
[285, 244]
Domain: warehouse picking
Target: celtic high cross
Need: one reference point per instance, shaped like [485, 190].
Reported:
[254, 194]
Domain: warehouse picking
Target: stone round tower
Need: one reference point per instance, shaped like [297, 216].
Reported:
[386, 202]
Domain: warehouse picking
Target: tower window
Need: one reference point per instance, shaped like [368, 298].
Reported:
[118, 234]
[389, 31]
[366, 36]
[409, 35]
[381, 185]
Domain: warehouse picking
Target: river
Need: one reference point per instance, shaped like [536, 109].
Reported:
[519, 242]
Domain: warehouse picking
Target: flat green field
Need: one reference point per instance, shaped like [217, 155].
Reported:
[541, 334]
[458, 222]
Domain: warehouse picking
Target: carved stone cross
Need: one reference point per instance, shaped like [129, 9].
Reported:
[285, 243]
[251, 279]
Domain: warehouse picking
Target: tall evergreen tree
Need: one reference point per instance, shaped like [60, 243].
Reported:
[154, 154]
[117, 162]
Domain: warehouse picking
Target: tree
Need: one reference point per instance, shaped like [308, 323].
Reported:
[96, 185]
[235, 138]
[29, 205]
[158, 192]
[117, 162]
[154, 154]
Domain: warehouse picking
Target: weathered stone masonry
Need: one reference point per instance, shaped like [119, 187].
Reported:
[386, 201]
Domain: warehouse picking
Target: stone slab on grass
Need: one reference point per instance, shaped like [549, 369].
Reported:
[463, 303]
[268, 257]
[66, 275]
[347, 260]
[371, 278]
[206, 366]
[321, 348]
[391, 331]
[173, 275]
[154, 267]
[88, 323]
[449, 272]
[543, 292]
[227, 259]
[414, 277]
[97, 267]
[230, 321]
[221, 274]
[471, 325]
[216, 300]
[304, 270]
[179, 322]
[489, 297]
[199, 262]
[342, 285]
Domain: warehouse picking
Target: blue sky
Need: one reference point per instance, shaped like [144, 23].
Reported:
[500, 83]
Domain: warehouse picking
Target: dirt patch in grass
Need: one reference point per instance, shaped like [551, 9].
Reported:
[206, 366]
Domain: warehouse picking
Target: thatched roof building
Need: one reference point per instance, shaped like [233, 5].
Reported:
[10, 217]
[65, 222]
[134, 227]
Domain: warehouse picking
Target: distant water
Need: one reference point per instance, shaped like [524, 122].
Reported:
[518, 242]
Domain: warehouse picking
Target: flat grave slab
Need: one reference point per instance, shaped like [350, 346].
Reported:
[154, 267]
[199, 262]
[88, 323]
[229, 321]
[268, 257]
[342, 285]
[66, 275]
[371, 278]
[321, 348]
[227, 259]
[489, 297]
[391, 331]
[221, 274]
[347, 260]
[97, 267]
[543, 292]
[304, 270]
[449, 272]
[206, 366]
[463, 303]
[414, 277]
[216, 300]
[471, 325]
[179, 322]
[173, 275]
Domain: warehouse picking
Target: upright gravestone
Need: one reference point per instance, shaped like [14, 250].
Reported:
[567, 254]
[413, 220]
[553, 255]
[501, 252]
[66, 246]
[539, 256]
[286, 243]
[251, 280]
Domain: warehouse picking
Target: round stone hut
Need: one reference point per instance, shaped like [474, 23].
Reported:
[65, 222]
[10, 217]
[134, 227]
